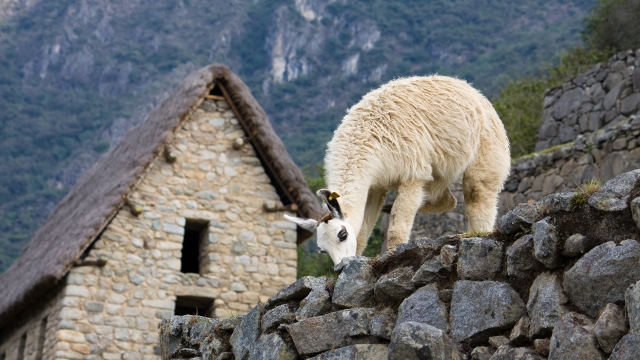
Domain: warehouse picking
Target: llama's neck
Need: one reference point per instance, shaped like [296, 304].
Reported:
[352, 200]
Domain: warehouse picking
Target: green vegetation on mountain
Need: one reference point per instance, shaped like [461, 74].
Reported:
[75, 75]
[613, 24]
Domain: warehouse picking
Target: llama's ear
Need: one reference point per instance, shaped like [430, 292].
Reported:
[331, 199]
[307, 224]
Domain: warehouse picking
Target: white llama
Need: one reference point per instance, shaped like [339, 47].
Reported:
[415, 135]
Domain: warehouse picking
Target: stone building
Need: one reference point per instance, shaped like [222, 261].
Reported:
[184, 215]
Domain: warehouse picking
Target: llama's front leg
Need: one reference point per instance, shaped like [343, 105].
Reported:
[375, 200]
[405, 207]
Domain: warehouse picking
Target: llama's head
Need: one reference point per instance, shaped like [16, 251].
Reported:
[335, 235]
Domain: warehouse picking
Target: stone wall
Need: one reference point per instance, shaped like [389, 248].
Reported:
[600, 97]
[559, 279]
[246, 253]
[601, 155]
[37, 329]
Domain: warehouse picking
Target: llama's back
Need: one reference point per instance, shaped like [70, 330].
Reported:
[412, 128]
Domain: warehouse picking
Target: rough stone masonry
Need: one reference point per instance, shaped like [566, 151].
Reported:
[558, 279]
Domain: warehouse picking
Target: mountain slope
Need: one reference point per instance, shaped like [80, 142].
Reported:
[75, 75]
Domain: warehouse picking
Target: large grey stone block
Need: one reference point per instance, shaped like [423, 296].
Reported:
[573, 338]
[382, 323]
[298, 290]
[355, 352]
[575, 245]
[480, 309]
[395, 285]
[629, 105]
[414, 248]
[568, 102]
[520, 260]
[416, 341]
[548, 130]
[546, 304]
[559, 201]
[424, 306]
[429, 271]
[247, 333]
[271, 346]
[355, 284]
[520, 218]
[602, 275]
[627, 348]
[507, 352]
[479, 258]
[284, 313]
[610, 327]
[334, 330]
[632, 304]
[613, 95]
[318, 302]
[614, 194]
[545, 242]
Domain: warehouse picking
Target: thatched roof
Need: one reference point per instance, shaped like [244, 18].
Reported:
[101, 192]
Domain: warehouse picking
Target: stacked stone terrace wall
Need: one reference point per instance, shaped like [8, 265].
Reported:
[559, 279]
[600, 97]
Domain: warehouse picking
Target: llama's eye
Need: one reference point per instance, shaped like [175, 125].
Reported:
[320, 251]
[342, 235]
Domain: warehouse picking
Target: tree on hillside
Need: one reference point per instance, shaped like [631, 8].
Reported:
[613, 24]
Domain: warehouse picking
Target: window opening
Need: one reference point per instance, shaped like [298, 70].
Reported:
[216, 91]
[194, 232]
[41, 338]
[21, 346]
[193, 305]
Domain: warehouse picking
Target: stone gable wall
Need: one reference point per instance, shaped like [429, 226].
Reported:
[247, 255]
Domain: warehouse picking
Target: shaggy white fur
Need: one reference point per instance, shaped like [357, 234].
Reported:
[415, 135]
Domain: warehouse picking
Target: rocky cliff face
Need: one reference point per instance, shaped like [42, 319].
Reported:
[559, 279]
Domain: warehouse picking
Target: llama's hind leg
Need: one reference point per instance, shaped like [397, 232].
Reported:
[481, 186]
[405, 207]
[375, 200]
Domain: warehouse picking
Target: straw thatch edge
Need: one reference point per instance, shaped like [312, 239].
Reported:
[95, 199]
